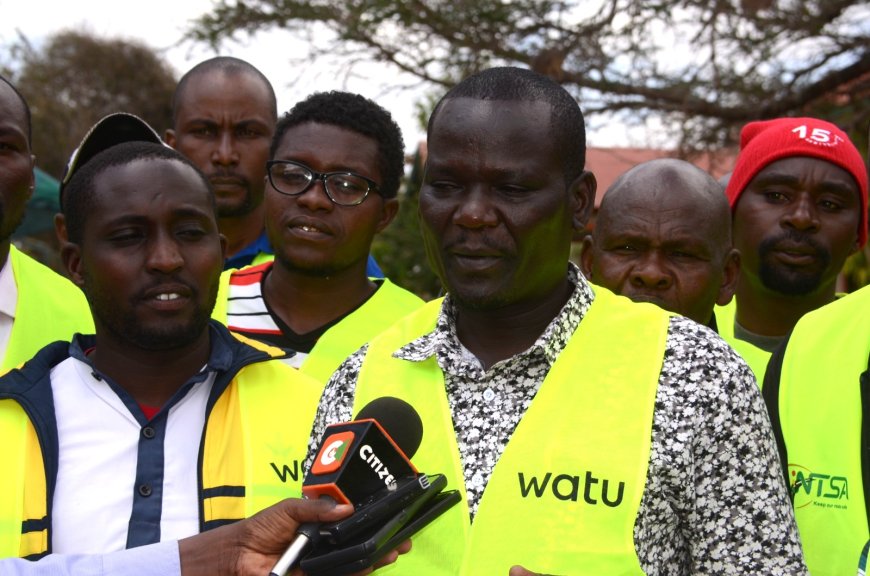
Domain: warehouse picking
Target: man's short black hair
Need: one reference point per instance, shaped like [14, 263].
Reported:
[357, 114]
[229, 66]
[27, 117]
[518, 84]
[78, 198]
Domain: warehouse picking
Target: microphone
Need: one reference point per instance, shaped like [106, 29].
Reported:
[356, 460]
[399, 419]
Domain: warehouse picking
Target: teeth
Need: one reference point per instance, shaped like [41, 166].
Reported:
[309, 229]
[167, 297]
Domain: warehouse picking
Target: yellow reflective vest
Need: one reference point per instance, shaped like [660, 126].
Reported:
[387, 304]
[754, 356]
[49, 308]
[255, 439]
[564, 495]
[821, 402]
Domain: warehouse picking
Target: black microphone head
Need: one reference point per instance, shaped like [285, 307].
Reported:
[398, 419]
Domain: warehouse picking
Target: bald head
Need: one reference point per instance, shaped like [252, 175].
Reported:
[222, 66]
[672, 184]
[663, 234]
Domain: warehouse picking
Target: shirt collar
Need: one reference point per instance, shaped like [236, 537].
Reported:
[246, 255]
[8, 289]
[551, 342]
[220, 354]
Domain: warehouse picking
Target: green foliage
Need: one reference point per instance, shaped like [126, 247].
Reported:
[856, 271]
[399, 249]
[75, 79]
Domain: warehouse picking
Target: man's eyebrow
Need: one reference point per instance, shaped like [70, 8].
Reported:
[252, 121]
[6, 130]
[514, 173]
[442, 165]
[686, 242]
[126, 219]
[201, 120]
[777, 178]
[180, 212]
[622, 236]
[189, 211]
[788, 179]
[837, 187]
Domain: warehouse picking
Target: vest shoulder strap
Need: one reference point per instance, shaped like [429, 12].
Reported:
[385, 307]
[255, 441]
[770, 393]
[23, 496]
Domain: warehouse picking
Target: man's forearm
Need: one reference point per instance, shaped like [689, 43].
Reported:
[162, 558]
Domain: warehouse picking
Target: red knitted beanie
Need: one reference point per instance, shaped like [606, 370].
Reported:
[765, 142]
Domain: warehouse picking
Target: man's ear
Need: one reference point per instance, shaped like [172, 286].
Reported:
[32, 185]
[586, 258]
[169, 137]
[388, 213]
[582, 191]
[70, 253]
[730, 276]
[224, 245]
[857, 247]
[60, 229]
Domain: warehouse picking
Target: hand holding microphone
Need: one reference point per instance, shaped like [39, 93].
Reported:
[366, 463]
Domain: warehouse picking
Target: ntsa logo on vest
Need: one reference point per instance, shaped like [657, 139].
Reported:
[570, 487]
[818, 489]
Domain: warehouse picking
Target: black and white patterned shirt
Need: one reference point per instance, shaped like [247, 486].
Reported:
[714, 501]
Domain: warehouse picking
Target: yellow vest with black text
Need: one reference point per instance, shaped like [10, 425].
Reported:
[256, 437]
[49, 308]
[388, 304]
[754, 356]
[820, 410]
[564, 495]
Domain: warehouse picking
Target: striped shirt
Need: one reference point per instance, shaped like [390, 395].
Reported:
[250, 315]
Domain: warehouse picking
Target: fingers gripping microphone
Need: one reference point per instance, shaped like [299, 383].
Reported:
[356, 460]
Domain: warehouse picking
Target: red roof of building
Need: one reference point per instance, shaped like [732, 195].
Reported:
[609, 163]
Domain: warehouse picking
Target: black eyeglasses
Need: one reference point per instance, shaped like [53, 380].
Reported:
[343, 188]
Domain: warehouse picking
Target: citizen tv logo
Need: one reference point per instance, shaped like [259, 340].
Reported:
[333, 453]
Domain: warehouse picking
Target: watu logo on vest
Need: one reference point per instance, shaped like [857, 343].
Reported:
[568, 487]
[285, 471]
[827, 490]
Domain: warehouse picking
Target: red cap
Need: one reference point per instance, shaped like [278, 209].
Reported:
[765, 142]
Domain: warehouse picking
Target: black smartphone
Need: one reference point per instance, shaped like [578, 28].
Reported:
[399, 528]
[380, 507]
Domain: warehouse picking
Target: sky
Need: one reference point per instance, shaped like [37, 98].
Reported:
[160, 24]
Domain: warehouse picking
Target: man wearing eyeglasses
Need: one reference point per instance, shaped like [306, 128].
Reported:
[224, 112]
[336, 162]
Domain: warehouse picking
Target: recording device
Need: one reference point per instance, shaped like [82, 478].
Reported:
[383, 504]
[366, 463]
[363, 551]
